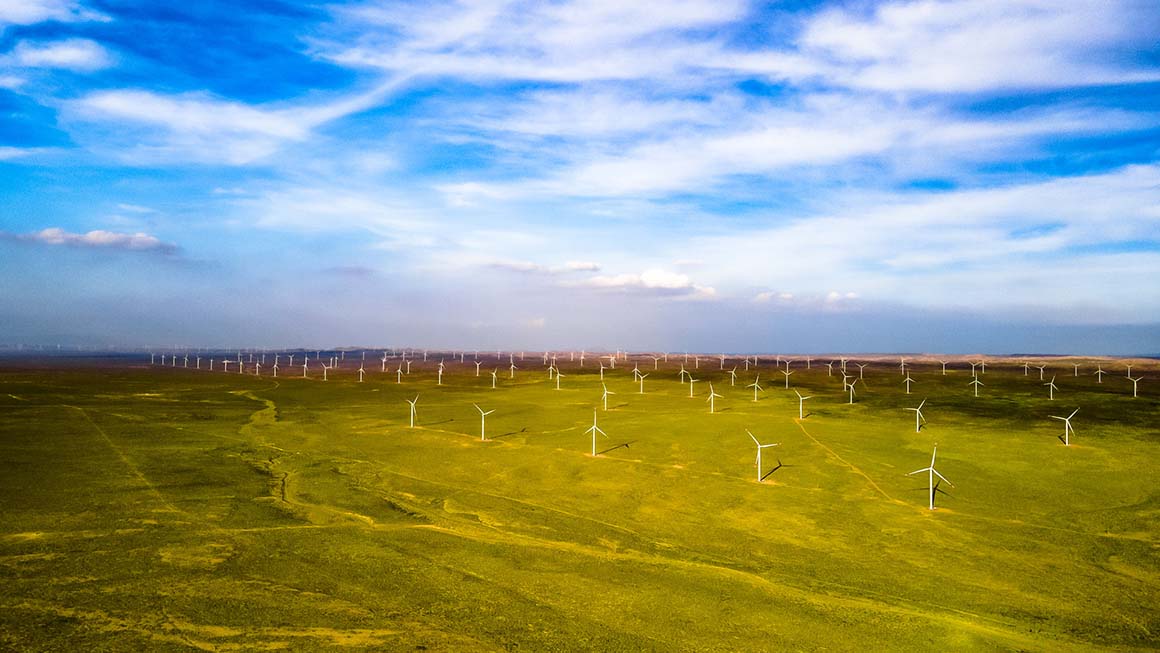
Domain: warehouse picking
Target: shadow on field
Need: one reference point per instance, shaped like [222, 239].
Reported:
[438, 423]
[614, 448]
[770, 472]
[504, 435]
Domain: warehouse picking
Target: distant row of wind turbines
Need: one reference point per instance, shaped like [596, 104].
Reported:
[684, 376]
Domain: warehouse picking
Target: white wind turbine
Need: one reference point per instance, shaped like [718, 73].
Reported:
[1041, 368]
[1099, 374]
[801, 404]
[1068, 429]
[1051, 389]
[691, 382]
[944, 364]
[756, 388]
[594, 429]
[712, 395]
[361, 372]
[640, 378]
[412, 402]
[604, 397]
[324, 369]
[656, 362]
[226, 364]
[512, 370]
[495, 376]
[983, 366]
[483, 421]
[830, 368]
[931, 473]
[908, 381]
[439, 378]
[1135, 382]
[861, 370]
[477, 364]
[558, 377]
[850, 387]
[733, 377]
[918, 418]
[384, 370]
[976, 382]
[291, 360]
[1128, 364]
[786, 372]
[759, 448]
[275, 368]
[399, 374]
[1076, 366]
[602, 371]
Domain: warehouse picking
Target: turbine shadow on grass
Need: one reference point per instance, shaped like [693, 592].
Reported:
[504, 435]
[779, 466]
[437, 423]
[614, 448]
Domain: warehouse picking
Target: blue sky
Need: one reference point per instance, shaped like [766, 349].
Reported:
[788, 176]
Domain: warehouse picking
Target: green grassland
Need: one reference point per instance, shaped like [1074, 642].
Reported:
[149, 508]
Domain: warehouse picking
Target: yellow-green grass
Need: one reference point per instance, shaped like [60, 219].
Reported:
[162, 508]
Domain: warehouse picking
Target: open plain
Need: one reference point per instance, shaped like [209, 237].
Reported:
[149, 507]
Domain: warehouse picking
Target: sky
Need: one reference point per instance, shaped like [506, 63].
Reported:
[922, 176]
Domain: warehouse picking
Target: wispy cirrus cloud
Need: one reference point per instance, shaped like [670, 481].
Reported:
[82, 55]
[29, 12]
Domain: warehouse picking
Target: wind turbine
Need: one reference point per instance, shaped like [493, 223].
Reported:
[275, 368]
[399, 374]
[1134, 384]
[495, 375]
[1076, 366]
[712, 395]
[601, 371]
[225, 363]
[1041, 368]
[944, 364]
[361, 371]
[861, 368]
[1099, 374]
[908, 381]
[594, 430]
[801, 404]
[512, 370]
[931, 473]
[558, 377]
[918, 418]
[656, 362]
[477, 364]
[324, 368]
[851, 388]
[1051, 389]
[733, 377]
[830, 368]
[759, 448]
[1128, 364]
[640, 378]
[1068, 429]
[482, 421]
[604, 397]
[786, 372]
[412, 402]
[976, 382]
[755, 386]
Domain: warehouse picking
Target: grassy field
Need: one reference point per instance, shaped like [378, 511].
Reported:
[151, 508]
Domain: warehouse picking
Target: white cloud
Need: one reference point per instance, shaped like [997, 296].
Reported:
[966, 45]
[652, 281]
[536, 268]
[98, 239]
[29, 12]
[136, 208]
[7, 152]
[72, 54]
[204, 128]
